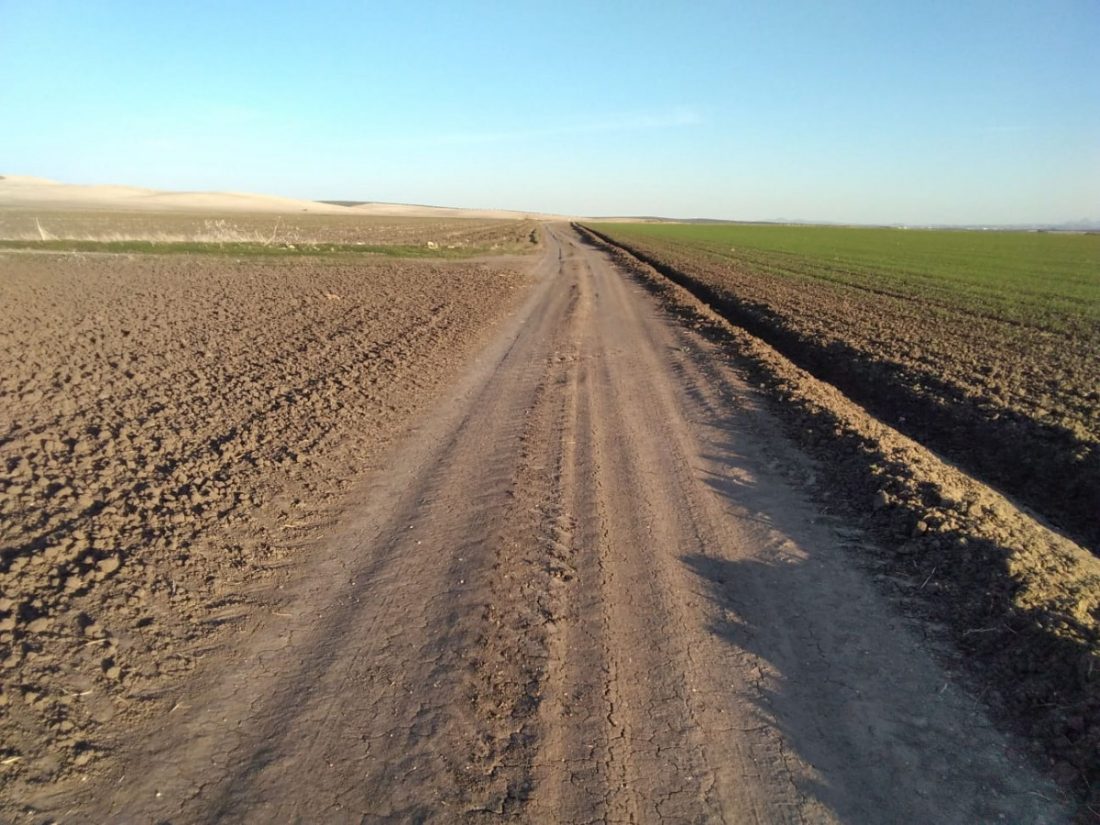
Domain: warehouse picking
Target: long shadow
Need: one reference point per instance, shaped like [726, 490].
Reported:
[871, 725]
[847, 692]
[1029, 665]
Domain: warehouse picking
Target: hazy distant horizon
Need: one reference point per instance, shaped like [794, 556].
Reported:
[851, 112]
[1077, 224]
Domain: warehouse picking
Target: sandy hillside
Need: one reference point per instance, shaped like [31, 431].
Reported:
[30, 192]
[396, 210]
[16, 191]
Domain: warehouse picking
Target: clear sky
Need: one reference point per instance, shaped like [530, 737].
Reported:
[876, 111]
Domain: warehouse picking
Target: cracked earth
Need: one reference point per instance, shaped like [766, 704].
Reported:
[589, 585]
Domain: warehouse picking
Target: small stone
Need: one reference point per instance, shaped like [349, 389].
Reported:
[7, 623]
[40, 625]
[114, 672]
[31, 696]
[108, 565]
[83, 758]
[94, 630]
[881, 500]
[920, 528]
[6, 605]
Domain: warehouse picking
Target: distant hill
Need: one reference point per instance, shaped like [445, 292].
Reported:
[25, 192]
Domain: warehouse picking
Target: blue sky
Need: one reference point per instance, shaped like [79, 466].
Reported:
[945, 112]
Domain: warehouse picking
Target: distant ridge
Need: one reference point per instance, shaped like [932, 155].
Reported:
[40, 193]
[25, 192]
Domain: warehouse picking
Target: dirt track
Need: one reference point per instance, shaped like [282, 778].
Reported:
[590, 587]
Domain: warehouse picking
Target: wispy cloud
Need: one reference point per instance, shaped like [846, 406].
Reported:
[674, 118]
[1003, 128]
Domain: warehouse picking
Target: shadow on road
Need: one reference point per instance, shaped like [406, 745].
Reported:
[883, 734]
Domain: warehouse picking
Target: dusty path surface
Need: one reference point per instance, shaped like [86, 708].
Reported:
[590, 588]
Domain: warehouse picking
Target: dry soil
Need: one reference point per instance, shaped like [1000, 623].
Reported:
[592, 581]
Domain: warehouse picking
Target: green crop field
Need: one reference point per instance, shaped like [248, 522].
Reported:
[1046, 279]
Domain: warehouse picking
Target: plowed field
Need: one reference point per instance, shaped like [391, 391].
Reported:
[171, 427]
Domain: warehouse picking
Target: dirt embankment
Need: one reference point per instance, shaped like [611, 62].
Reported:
[173, 428]
[1020, 603]
[1016, 405]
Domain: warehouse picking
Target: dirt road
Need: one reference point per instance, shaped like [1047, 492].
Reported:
[591, 587]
